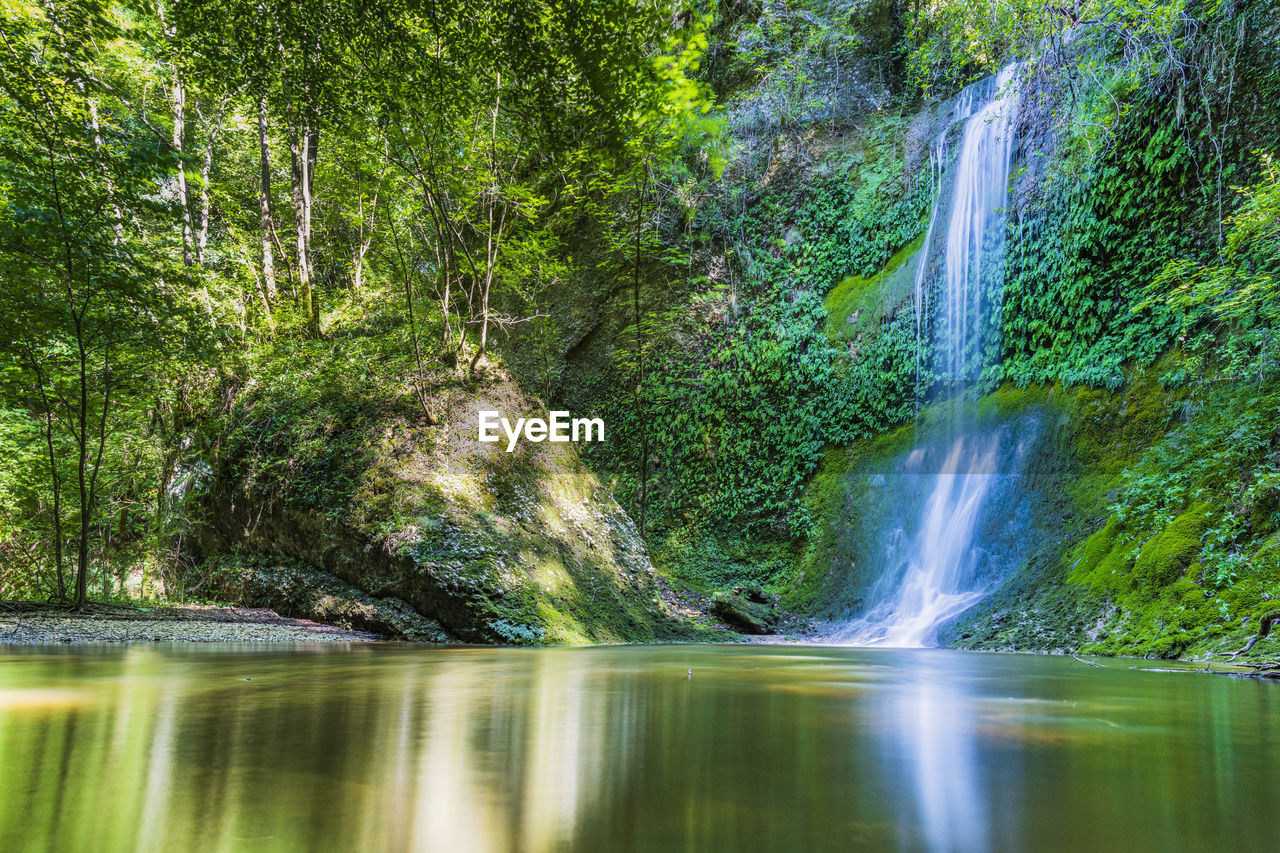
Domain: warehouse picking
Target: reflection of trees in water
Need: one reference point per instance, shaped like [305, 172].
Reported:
[466, 751]
[600, 749]
[461, 750]
[501, 768]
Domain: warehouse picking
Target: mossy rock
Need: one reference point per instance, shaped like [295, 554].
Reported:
[297, 590]
[744, 614]
[1266, 560]
[1105, 560]
[859, 304]
[1166, 556]
[526, 547]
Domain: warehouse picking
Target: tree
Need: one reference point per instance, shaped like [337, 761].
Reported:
[87, 297]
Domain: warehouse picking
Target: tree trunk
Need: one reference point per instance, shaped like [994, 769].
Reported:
[264, 208]
[57, 507]
[54, 477]
[206, 167]
[419, 384]
[308, 186]
[302, 162]
[117, 218]
[364, 234]
[494, 240]
[82, 472]
[179, 132]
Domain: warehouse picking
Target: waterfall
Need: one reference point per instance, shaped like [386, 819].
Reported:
[975, 231]
[933, 566]
[987, 139]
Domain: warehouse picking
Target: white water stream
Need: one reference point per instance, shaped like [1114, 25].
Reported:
[942, 575]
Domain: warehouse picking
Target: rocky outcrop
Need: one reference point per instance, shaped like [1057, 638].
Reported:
[495, 547]
[748, 609]
[296, 590]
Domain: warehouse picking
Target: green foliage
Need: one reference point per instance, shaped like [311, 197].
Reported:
[846, 221]
[1236, 292]
[1226, 456]
[739, 412]
[783, 57]
[278, 220]
[737, 417]
[1078, 264]
[957, 42]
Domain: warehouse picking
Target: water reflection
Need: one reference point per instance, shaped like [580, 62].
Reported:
[600, 749]
[931, 730]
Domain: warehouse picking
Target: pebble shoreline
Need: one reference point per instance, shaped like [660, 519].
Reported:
[172, 625]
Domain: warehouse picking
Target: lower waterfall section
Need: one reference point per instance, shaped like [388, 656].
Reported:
[938, 528]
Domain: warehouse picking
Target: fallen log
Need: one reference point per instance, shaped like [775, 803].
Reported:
[1265, 624]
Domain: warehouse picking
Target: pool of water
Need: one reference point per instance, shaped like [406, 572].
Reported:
[393, 747]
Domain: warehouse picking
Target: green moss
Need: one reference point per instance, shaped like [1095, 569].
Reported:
[1104, 560]
[1010, 399]
[857, 303]
[824, 500]
[1110, 429]
[1266, 560]
[1165, 556]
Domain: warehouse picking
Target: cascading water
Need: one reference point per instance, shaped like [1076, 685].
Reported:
[934, 567]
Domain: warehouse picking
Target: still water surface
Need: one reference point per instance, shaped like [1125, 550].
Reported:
[599, 749]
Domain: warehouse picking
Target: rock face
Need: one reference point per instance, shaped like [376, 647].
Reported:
[298, 591]
[746, 609]
[494, 547]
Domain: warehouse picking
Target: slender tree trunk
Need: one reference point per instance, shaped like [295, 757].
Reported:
[179, 132]
[102, 440]
[419, 385]
[297, 178]
[300, 161]
[308, 192]
[76, 318]
[54, 478]
[357, 256]
[640, 408]
[446, 297]
[206, 167]
[493, 240]
[364, 234]
[57, 506]
[117, 218]
[82, 470]
[264, 207]
[484, 293]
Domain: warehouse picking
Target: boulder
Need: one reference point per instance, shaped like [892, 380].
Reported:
[749, 616]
